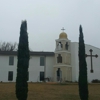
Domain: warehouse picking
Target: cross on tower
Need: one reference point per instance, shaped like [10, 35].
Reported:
[63, 29]
[91, 59]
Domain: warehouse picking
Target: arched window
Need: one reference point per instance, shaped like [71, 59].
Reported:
[59, 58]
[59, 46]
[66, 46]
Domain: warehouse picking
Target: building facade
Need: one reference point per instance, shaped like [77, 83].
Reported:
[60, 65]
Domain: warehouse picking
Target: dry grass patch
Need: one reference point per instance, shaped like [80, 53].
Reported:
[49, 91]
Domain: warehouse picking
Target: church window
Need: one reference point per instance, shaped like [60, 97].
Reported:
[11, 60]
[10, 76]
[60, 45]
[42, 61]
[59, 58]
[66, 45]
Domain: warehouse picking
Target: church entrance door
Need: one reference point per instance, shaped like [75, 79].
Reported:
[59, 74]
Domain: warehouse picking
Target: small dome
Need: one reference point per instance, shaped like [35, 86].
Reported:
[63, 35]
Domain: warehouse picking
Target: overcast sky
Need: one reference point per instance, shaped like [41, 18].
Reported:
[45, 18]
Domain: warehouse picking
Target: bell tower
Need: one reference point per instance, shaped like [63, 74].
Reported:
[62, 66]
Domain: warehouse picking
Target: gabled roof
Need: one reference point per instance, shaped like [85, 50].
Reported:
[32, 53]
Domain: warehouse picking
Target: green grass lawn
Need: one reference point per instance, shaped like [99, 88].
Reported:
[49, 91]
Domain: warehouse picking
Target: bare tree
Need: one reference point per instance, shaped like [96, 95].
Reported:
[7, 46]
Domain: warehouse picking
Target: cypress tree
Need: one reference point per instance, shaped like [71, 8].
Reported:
[22, 64]
[83, 84]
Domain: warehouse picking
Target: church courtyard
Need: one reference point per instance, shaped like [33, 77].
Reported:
[49, 91]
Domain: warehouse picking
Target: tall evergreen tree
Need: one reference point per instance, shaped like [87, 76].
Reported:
[83, 84]
[22, 64]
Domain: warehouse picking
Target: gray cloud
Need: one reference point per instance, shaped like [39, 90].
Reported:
[45, 19]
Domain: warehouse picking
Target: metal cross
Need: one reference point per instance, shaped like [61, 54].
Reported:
[63, 29]
[91, 59]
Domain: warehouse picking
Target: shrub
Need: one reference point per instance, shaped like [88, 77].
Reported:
[95, 81]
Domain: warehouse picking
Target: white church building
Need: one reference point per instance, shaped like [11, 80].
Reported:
[60, 65]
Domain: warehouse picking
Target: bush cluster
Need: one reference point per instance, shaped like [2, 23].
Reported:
[95, 81]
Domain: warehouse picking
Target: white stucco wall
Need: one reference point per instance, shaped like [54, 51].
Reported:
[73, 62]
[49, 67]
[34, 68]
[96, 62]
[5, 67]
